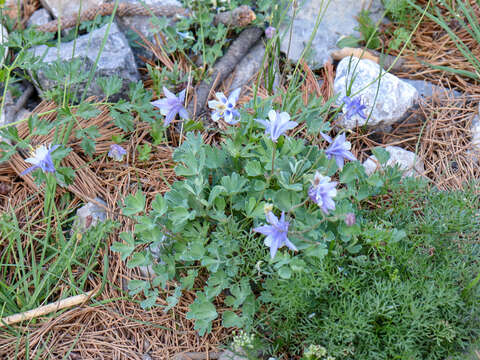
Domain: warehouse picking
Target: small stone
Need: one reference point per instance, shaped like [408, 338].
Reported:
[116, 60]
[228, 355]
[475, 129]
[39, 17]
[142, 24]
[408, 162]
[88, 216]
[65, 8]
[22, 114]
[391, 100]
[338, 20]
[146, 357]
[248, 66]
[426, 89]
[3, 39]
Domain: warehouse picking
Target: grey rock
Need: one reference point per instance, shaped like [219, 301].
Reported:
[249, 66]
[69, 8]
[89, 215]
[39, 17]
[143, 25]
[229, 355]
[391, 99]
[116, 59]
[408, 162]
[338, 21]
[426, 89]
[22, 114]
[155, 250]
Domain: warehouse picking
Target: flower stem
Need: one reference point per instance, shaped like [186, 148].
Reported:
[273, 158]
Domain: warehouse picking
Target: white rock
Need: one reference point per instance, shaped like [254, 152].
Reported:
[338, 20]
[408, 162]
[390, 100]
[39, 17]
[66, 8]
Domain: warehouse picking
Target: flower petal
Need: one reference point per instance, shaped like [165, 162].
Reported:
[233, 98]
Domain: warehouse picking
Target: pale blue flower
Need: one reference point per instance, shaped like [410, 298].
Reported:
[270, 32]
[41, 159]
[185, 35]
[278, 124]
[224, 108]
[171, 105]
[116, 152]
[354, 107]
[339, 148]
[276, 233]
[322, 192]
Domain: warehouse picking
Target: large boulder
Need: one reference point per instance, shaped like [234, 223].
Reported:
[390, 97]
[338, 20]
[115, 59]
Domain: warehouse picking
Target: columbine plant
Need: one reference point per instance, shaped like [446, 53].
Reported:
[41, 159]
[339, 148]
[224, 192]
[171, 106]
[224, 108]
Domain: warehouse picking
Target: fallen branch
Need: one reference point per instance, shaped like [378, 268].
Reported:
[241, 16]
[224, 67]
[46, 309]
[384, 59]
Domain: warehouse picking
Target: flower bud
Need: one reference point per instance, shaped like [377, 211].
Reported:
[350, 219]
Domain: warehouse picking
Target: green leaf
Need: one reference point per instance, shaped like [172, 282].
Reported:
[381, 154]
[144, 152]
[87, 111]
[137, 286]
[159, 205]
[253, 168]
[134, 204]
[126, 248]
[110, 85]
[180, 215]
[348, 41]
[233, 184]
[230, 319]
[285, 272]
[123, 120]
[217, 190]
[203, 312]
[138, 259]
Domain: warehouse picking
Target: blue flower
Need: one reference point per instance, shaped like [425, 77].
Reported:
[225, 108]
[276, 233]
[116, 152]
[354, 107]
[339, 148]
[41, 159]
[270, 32]
[278, 124]
[322, 192]
[171, 106]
